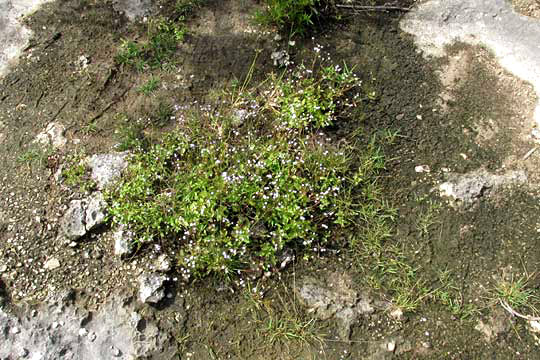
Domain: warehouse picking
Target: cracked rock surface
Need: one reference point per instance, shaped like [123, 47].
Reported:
[61, 329]
[83, 216]
[335, 298]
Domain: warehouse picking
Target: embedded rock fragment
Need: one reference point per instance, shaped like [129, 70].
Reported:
[107, 167]
[83, 216]
[335, 297]
[467, 188]
[151, 287]
[123, 242]
[53, 136]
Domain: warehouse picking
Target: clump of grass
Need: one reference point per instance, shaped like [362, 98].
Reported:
[162, 38]
[450, 295]
[76, 173]
[35, 155]
[149, 87]
[281, 321]
[237, 198]
[518, 294]
[130, 133]
[294, 17]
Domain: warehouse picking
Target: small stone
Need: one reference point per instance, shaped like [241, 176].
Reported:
[535, 326]
[419, 117]
[3, 268]
[400, 117]
[72, 222]
[51, 264]
[53, 135]
[163, 263]
[83, 332]
[391, 346]
[123, 242]
[422, 169]
[15, 330]
[151, 287]
[95, 211]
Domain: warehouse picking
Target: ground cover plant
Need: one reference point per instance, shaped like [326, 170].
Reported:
[295, 17]
[237, 194]
[163, 34]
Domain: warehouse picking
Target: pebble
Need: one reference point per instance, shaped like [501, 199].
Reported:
[422, 169]
[15, 330]
[51, 264]
[391, 346]
[83, 332]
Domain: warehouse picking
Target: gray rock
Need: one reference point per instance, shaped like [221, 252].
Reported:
[73, 221]
[107, 167]
[466, 188]
[123, 242]
[14, 36]
[163, 263]
[280, 58]
[54, 328]
[151, 287]
[333, 297]
[133, 9]
[53, 136]
[95, 211]
[83, 216]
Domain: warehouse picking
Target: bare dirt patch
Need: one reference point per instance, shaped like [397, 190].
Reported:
[527, 7]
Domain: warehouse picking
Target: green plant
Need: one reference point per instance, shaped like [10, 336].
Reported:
[130, 136]
[450, 296]
[293, 16]
[150, 86]
[281, 320]
[236, 199]
[76, 173]
[517, 293]
[162, 37]
[162, 114]
[35, 155]
[428, 217]
[312, 100]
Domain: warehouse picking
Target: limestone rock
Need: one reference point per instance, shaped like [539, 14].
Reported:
[123, 242]
[107, 167]
[334, 296]
[73, 221]
[83, 216]
[95, 211]
[151, 287]
[53, 136]
[467, 188]
[163, 263]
